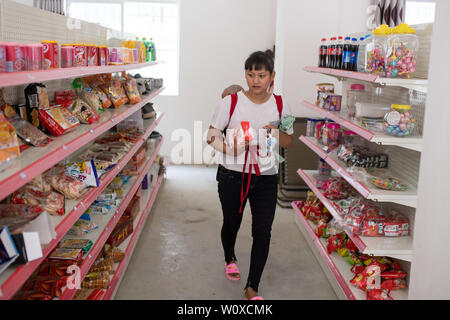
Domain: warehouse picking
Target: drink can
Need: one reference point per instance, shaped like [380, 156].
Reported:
[80, 55]
[92, 52]
[48, 52]
[55, 55]
[66, 56]
[14, 57]
[33, 56]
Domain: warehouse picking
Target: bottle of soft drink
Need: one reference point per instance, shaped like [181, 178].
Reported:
[346, 58]
[153, 50]
[332, 53]
[339, 53]
[323, 53]
[354, 56]
[361, 63]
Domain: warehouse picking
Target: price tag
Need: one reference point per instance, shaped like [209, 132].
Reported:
[91, 131]
[23, 175]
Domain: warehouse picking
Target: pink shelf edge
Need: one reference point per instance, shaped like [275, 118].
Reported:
[23, 272]
[343, 73]
[366, 134]
[355, 238]
[95, 250]
[326, 258]
[337, 167]
[135, 236]
[24, 77]
[26, 174]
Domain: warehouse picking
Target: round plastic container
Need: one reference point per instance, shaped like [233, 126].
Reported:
[102, 53]
[334, 135]
[400, 121]
[354, 95]
[67, 58]
[319, 131]
[14, 57]
[323, 87]
[116, 55]
[348, 138]
[50, 53]
[376, 51]
[33, 56]
[401, 52]
[80, 55]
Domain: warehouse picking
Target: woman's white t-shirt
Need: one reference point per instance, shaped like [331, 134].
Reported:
[259, 115]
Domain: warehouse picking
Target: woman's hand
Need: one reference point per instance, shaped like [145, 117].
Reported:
[270, 126]
[285, 140]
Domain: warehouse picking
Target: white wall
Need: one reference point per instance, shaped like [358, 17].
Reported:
[26, 2]
[216, 37]
[300, 26]
[431, 259]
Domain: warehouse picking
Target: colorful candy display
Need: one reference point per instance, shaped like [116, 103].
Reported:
[376, 51]
[401, 52]
[400, 121]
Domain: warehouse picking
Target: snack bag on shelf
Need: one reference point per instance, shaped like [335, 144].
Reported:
[114, 253]
[133, 122]
[382, 179]
[52, 202]
[39, 183]
[115, 92]
[65, 98]
[17, 216]
[335, 242]
[58, 120]
[82, 227]
[9, 144]
[66, 254]
[396, 224]
[359, 281]
[321, 229]
[92, 98]
[99, 283]
[67, 185]
[103, 264]
[131, 90]
[86, 172]
[84, 112]
[393, 284]
[36, 98]
[378, 294]
[83, 244]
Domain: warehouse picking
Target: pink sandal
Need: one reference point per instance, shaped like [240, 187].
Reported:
[232, 268]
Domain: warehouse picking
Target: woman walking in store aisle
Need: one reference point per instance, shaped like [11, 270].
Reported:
[250, 169]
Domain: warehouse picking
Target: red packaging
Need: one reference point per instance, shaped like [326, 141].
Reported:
[122, 231]
[359, 281]
[102, 55]
[335, 242]
[80, 55]
[357, 269]
[67, 56]
[33, 56]
[378, 294]
[350, 245]
[65, 98]
[2, 57]
[58, 120]
[393, 274]
[396, 225]
[393, 284]
[14, 58]
[92, 54]
[50, 52]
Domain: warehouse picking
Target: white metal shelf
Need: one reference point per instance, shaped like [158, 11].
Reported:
[368, 191]
[395, 247]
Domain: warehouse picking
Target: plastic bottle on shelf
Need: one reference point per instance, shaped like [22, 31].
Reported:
[332, 53]
[339, 53]
[153, 50]
[346, 58]
[361, 63]
[354, 55]
[354, 95]
[323, 53]
[147, 49]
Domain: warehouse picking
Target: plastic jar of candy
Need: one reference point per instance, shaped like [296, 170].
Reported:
[400, 121]
[319, 131]
[324, 169]
[311, 126]
[401, 52]
[376, 50]
[354, 95]
[334, 135]
[14, 57]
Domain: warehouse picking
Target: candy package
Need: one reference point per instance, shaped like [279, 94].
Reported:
[36, 98]
[58, 120]
[66, 254]
[396, 224]
[115, 92]
[83, 244]
[106, 103]
[52, 202]
[335, 242]
[65, 98]
[101, 281]
[393, 274]
[84, 112]
[393, 284]
[9, 143]
[359, 281]
[131, 90]
[93, 100]
[86, 172]
[39, 183]
[133, 122]
[378, 294]
[383, 180]
[115, 254]
[25, 130]
[82, 227]
[68, 186]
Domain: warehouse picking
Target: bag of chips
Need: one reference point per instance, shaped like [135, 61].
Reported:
[93, 99]
[378, 294]
[52, 202]
[115, 92]
[68, 186]
[9, 144]
[86, 172]
[131, 90]
[58, 120]
[36, 97]
[84, 112]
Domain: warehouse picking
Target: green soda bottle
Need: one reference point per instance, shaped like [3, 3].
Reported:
[153, 50]
[147, 49]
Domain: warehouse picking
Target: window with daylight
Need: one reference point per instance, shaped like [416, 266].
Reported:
[158, 20]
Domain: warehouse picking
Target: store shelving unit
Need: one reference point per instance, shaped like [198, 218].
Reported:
[414, 84]
[338, 270]
[400, 247]
[413, 143]
[13, 278]
[26, 77]
[106, 223]
[34, 161]
[408, 197]
[129, 244]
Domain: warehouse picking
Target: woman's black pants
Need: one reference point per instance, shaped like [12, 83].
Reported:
[263, 200]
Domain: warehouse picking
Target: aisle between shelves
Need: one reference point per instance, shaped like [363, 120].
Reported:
[13, 278]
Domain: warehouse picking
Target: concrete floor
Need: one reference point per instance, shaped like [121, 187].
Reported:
[179, 254]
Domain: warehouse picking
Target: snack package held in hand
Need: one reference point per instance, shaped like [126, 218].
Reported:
[58, 120]
[52, 202]
[84, 112]
[9, 143]
[286, 123]
[115, 92]
[131, 90]
[36, 97]
[378, 294]
[86, 172]
[68, 186]
[93, 100]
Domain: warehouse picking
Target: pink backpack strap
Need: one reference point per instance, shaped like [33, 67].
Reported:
[279, 102]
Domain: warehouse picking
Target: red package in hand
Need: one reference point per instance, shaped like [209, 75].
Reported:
[378, 294]
[393, 284]
[393, 274]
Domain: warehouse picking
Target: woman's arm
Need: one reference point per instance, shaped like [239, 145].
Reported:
[285, 140]
[215, 140]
